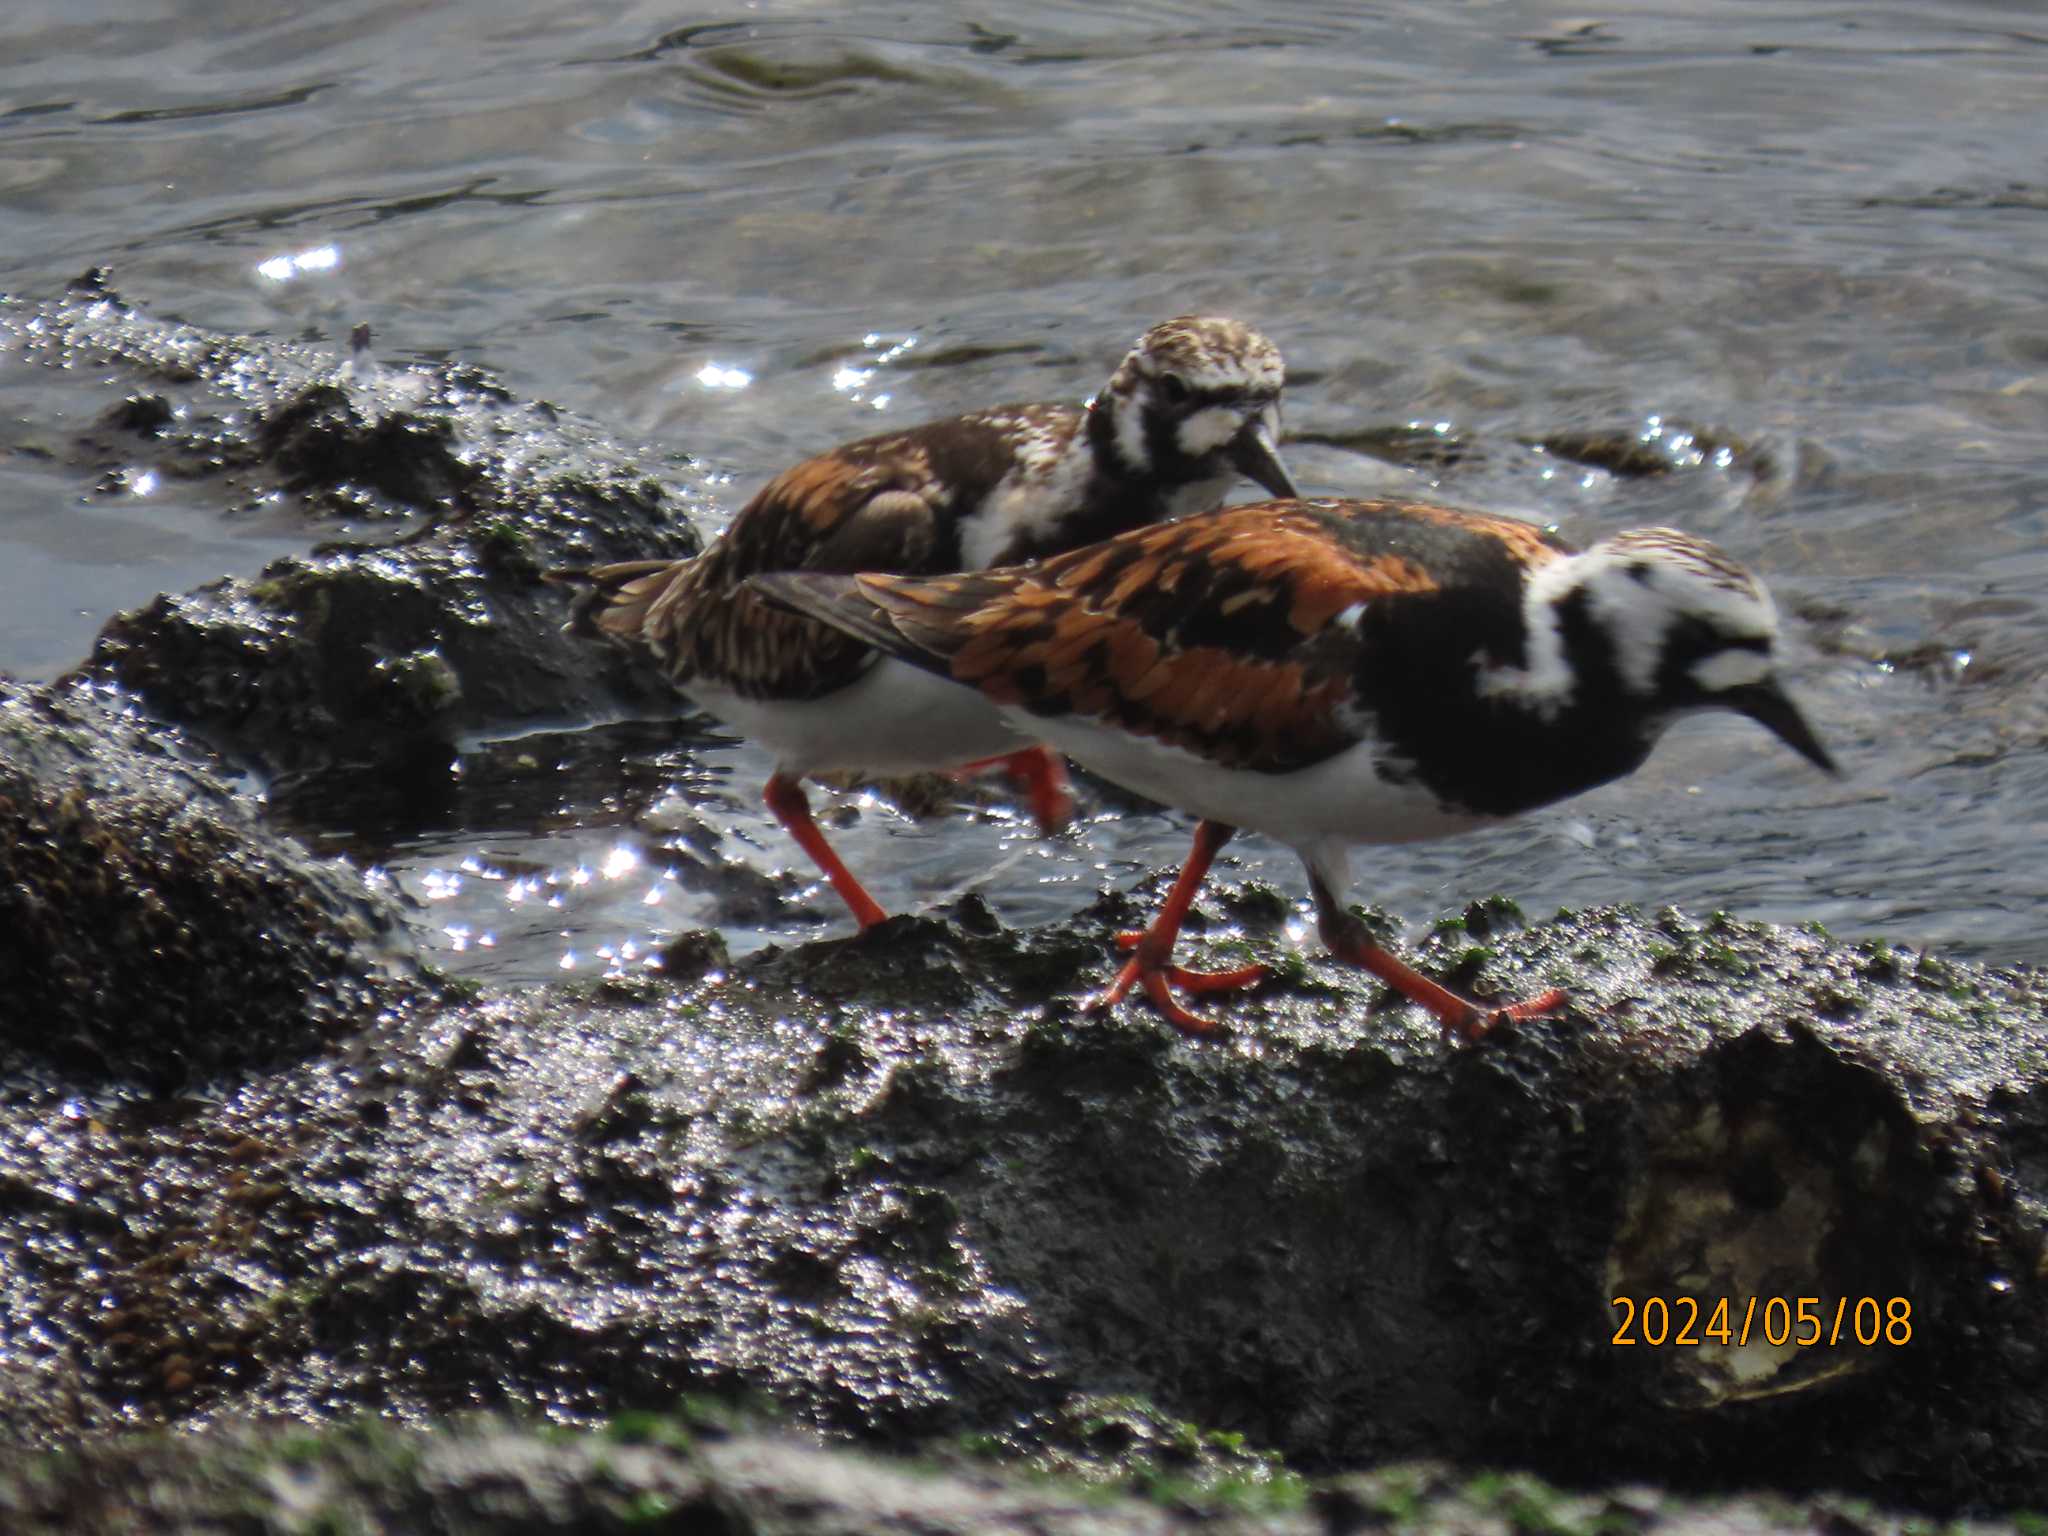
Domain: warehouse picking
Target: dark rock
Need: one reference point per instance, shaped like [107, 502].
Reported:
[1665, 448]
[147, 415]
[149, 932]
[689, 955]
[898, 1185]
[359, 655]
[1412, 446]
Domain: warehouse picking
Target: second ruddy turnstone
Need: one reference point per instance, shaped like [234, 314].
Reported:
[1192, 407]
[1339, 672]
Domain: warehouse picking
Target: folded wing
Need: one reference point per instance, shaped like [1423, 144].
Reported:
[1238, 635]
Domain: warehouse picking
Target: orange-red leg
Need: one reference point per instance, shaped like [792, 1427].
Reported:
[1467, 1018]
[792, 807]
[1042, 775]
[1149, 950]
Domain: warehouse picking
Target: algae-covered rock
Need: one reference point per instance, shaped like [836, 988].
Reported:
[150, 930]
[956, 1209]
[433, 621]
[671, 1473]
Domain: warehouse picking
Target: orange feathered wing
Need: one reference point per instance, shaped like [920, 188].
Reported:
[1231, 634]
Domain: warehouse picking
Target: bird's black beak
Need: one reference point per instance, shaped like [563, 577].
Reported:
[1255, 455]
[1767, 705]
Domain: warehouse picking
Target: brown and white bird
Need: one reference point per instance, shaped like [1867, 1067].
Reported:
[1192, 407]
[1339, 672]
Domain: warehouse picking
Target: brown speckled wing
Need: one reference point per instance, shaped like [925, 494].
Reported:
[892, 502]
[884, 503]
[1235, 635]
[836, 512]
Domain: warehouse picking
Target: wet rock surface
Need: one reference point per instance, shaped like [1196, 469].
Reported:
[150, 932]
[377, 653]
[947, 1206]
[901, 1186]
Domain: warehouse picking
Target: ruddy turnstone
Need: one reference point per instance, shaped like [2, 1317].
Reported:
[1193, 406]
[1339, 672]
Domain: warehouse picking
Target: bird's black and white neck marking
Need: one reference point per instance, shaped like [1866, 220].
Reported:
[1638, 630]
[1635, 605]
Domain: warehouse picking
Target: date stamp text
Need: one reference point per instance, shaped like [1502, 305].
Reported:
[1732, 1322]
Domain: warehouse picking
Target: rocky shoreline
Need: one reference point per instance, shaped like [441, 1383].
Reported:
[259, 1162]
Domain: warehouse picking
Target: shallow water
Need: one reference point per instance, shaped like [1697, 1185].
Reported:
[1815, 234]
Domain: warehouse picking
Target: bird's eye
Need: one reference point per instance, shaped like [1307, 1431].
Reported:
[1174, 388]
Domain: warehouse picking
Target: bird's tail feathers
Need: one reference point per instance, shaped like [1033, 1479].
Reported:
[612, 600]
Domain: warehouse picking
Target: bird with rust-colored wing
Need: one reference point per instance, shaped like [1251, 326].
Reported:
[1194, 406]
[1339, 672]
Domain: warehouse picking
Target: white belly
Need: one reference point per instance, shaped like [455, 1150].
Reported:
[896, 719]
[1341, 800]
